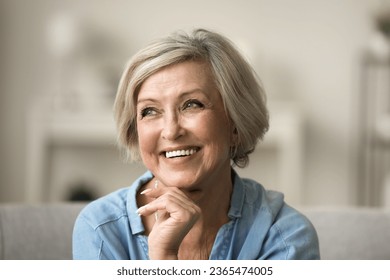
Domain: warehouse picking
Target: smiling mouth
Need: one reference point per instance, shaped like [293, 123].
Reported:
[181, 153]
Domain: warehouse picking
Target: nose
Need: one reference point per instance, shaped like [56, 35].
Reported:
[172, 129]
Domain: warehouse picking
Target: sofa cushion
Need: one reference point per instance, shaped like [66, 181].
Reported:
[33, 232]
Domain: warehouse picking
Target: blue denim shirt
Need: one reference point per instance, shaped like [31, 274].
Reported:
[261, 226]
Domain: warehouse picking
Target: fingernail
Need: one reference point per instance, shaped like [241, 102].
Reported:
[145, 191]
[141, 209]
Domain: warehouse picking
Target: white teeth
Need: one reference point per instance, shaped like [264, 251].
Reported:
[180, 153]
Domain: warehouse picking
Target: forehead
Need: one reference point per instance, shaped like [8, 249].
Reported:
[183, 74]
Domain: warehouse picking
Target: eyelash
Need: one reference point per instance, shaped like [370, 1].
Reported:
[146, 112]
[193, 101]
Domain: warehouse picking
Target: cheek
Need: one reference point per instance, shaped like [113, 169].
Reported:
[216, 131]
[146, 139]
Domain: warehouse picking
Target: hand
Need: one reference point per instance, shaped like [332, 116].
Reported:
[176, 215]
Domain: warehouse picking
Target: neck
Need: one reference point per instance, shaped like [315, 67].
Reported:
[199, 241]
[214, 197]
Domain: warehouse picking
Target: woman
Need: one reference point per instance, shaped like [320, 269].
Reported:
[190, 107]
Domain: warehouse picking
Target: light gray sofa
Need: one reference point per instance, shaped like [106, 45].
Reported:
[352, 233]
[37, 232]
[45, 231]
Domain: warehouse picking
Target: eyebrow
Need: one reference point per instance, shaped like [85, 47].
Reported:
[146, 100]
[181, 96]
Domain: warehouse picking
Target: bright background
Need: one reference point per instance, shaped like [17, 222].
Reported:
[61, 61]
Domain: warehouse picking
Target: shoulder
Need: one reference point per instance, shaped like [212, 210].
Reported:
[296, 234]
[272, 203]
[260, 199]
[113, 206]
[287, 233]
[100, 224]
[105, 209]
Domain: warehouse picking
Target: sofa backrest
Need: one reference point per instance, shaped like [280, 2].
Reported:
[352, 233]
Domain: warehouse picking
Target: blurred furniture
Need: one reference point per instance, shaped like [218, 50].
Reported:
[374, 126]
[45, 231]
[48, 128]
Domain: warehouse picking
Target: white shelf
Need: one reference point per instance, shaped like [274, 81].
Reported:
[81, 128]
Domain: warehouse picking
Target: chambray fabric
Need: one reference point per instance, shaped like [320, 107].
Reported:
[261, 226]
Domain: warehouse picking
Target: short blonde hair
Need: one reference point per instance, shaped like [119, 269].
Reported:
[241, 91]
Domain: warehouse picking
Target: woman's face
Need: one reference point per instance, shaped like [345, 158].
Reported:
[184, 134]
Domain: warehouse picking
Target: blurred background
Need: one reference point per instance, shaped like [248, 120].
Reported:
[324, 65]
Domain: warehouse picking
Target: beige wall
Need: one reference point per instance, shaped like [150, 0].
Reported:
[303, 50]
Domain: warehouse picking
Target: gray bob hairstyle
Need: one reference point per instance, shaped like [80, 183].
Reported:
[242, 94]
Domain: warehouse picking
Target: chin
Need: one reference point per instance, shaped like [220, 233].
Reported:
[179, 182]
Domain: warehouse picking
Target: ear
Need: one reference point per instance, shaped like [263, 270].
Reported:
[233, 136]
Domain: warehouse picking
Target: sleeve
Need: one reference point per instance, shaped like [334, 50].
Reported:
[87, 244]
[291, 237]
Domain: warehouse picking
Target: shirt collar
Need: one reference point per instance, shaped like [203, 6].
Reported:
[132, 207]
[238, 196]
